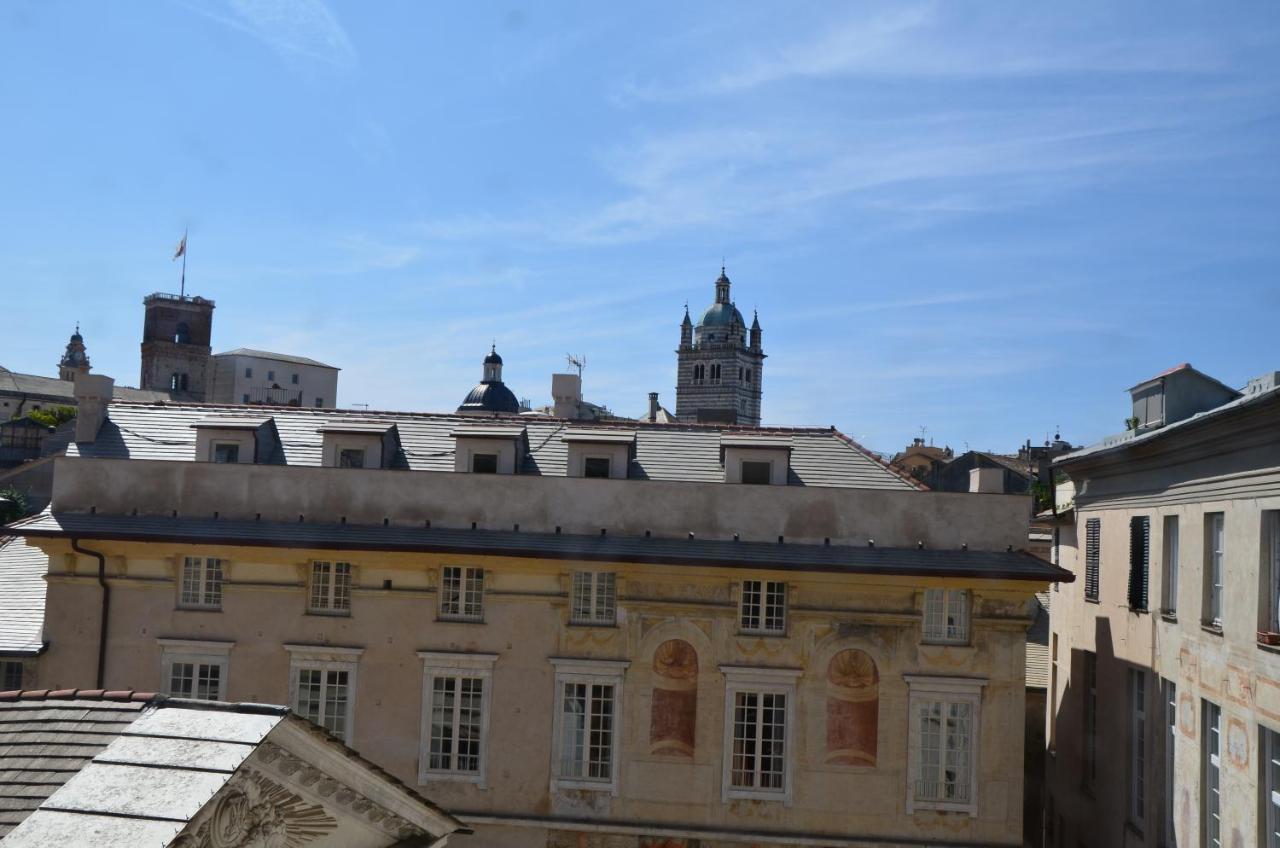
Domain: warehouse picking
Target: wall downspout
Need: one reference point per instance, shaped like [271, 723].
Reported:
[106, 607]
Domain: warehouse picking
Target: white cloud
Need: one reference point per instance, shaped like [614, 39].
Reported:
[292, 28]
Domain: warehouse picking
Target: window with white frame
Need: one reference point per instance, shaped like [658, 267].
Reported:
[594, 597]
[1213, 535]
[1169, 582]
[946, 616]
[1137, 747]
[945, 717]
[351, 458]
[1271, 560]
[462, 593]
[323, 686]
[1269, 784]
[1211, 776]
[331, 587]
[201, 583]
[1168, 760]
[194, 669]
[456, 692]
[763, 607]
[588, 723]
[759, 704]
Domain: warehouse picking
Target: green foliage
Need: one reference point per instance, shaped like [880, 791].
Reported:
[53, 416]
[1043, 495]
[13, 505]
[1131, 423]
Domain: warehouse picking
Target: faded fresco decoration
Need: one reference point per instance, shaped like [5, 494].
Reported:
[675, 699]
[853, 709]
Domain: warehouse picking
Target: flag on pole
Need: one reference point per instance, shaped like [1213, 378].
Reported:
[182, 248]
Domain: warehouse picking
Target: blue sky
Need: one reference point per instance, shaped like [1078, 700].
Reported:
[985, 219]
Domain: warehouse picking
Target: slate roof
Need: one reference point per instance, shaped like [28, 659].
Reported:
[677, 452]
[847, 559]
[51, 387]
[87, 767]
[278, 357]
[22, 591]
[1038, 645]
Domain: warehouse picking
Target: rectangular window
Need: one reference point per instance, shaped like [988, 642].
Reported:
[1210, 781]
[271, 375]
[10, 675]
[1090, 694]
[944, 765]
[331, 587]
[199, 680]
[228, 452]
[319, 401]
[455, 724]
[323, 697]
[201, 583]
[1053, 693]
[757, 473]
[946, 616]
[294, 379]
[484, 463]
[1169, 582]
[759, 740]
[248, 372]
[462, 593]
[351, 458]
[595, 466]
[1271, 568]
[1168, 760]
[594, 599]
[244, 399]
[1137, 747]
[763, 607]
[1139, 560]
[1092, 557]
[1270, 785]
[1213, 533]
[588, 723]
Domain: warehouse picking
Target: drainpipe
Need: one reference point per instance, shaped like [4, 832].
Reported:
[106, 606]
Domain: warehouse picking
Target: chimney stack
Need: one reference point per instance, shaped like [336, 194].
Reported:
[92, 393]
[566, 392]
[653, 406]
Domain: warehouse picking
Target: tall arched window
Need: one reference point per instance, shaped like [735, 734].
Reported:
[674, 714]
[183, 334]
[853, 707]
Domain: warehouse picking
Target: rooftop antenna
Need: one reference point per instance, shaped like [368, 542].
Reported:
[578, 362]
[363, 406]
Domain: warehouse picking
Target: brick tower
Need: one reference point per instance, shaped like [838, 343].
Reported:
[175, 344]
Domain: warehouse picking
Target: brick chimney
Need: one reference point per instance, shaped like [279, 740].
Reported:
[653, 406]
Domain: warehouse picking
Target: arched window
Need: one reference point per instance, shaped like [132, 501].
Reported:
[853, 707]
[183, 334]
[674, 714]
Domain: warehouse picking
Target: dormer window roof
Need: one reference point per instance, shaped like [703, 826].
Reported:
[360, 444]
[236, 439]
[756, 458]
[488, 449]
[600, 437]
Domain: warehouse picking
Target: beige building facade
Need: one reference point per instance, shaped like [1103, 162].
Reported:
[631, 660]
[1164, 702]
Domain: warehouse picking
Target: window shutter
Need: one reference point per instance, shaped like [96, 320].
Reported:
[1139, 560]
[1093, 533]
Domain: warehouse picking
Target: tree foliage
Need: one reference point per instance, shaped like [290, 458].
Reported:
[52, 416]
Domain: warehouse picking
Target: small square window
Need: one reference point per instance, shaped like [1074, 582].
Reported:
[763, 607]
[331, 587]
[351, 458]
[248, 372]
[757, 473]
[462, 593]
[484, 463]
[295, 379]
[201, 584]
[245, 399]
[595, 597]
[226, 452]
[946, 616]
[595, 466]
[10, 675]
[319, 401]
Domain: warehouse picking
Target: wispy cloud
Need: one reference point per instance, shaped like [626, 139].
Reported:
[304, 29]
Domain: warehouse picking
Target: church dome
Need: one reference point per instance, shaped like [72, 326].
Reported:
[493, 358]
[490, 397]
[721, 315]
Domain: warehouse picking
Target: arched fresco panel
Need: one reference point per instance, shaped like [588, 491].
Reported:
[675, 699]
[853, 709]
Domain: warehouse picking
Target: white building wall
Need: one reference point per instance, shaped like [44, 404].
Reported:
[252, 379]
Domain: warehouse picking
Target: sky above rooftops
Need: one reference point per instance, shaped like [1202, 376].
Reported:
[986, 219]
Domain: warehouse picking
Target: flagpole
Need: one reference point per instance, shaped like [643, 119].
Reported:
[182, 291]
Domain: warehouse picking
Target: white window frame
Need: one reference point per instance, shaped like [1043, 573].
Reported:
[341, 453]
[197, 652]
[1269, 785]
[1211, 772]
[1214, 565]
[773, 681]
[203, 568]
[926, 689]
[1271, 550]
[1169, 581]
[457, 666]
[947, 618]
[325, 659]
[588, 672]
[593, 598]
[332, 593]
[761, 603]
[1138, 706]
[465, 601]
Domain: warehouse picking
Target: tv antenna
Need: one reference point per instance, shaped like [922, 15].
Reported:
[578, 362]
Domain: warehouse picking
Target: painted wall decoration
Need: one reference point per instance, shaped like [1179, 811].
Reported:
[853, 709]
[674, 715]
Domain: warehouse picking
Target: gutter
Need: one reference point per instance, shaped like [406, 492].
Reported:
[106, 606]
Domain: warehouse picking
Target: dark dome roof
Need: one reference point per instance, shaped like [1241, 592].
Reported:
[493, 358]
[490, 397]
[721, 315]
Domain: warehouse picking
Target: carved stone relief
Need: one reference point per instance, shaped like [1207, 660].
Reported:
[254, 811]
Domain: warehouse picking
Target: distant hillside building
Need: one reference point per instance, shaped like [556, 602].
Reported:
[251, 376]
[719, 365]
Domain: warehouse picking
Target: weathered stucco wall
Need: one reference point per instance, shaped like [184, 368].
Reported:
[540, 504]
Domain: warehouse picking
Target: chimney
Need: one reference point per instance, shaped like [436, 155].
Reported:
[986, 480]
[653, 406]
[566, 391]
[92, 393]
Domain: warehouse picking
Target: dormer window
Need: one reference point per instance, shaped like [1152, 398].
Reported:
[595, 466]
[484, 463]
[359, 444]
[228, 452]
[488, 449]
[600, 453]
[231, 439]
[755, 472]
[756, 459]
[351, 458]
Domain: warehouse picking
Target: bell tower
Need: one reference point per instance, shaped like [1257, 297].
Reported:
[719, 364]
[176, 354]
